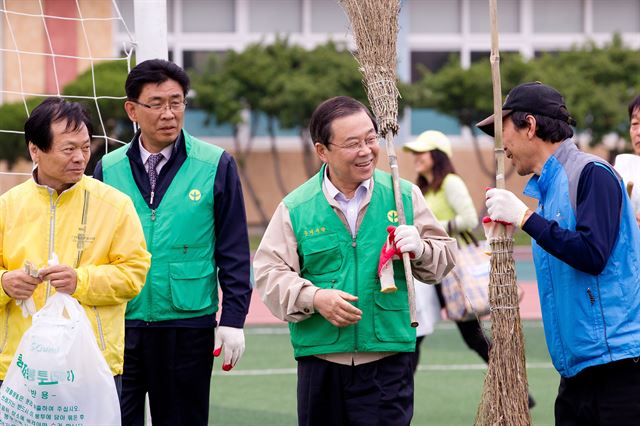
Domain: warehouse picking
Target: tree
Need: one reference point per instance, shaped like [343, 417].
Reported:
[110, 119]
[280, 82]
[597, 83]
[109, 77]
[465, 94]
[219, 94]
[324, 72]
[12, 118]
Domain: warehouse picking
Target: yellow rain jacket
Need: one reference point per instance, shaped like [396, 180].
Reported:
[91, 227]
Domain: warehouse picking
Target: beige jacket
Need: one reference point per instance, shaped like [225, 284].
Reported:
[290, 297]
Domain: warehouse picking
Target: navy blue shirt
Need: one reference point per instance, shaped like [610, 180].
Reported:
[231, 249]
[598, 205]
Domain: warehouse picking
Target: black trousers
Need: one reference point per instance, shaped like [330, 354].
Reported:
[174, 366]
[604, 395]
[377, 393]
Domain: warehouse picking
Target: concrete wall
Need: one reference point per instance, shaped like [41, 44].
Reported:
[24, 33]
[32, 73]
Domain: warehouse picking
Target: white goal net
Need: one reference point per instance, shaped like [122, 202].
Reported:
[60, 48]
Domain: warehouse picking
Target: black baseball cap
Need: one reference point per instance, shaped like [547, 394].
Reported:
[535, 98]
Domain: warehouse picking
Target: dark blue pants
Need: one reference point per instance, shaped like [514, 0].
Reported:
[604, 395]
[377, 393]
[174, 366]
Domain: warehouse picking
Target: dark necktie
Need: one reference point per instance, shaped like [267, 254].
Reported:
[152, 163]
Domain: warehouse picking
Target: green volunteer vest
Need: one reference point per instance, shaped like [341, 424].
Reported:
[180, 235]
[331, 258]
[438, 204]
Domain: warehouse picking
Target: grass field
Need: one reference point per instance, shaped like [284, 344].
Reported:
[261, 389]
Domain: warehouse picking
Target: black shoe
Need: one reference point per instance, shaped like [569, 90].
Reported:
[532, 402]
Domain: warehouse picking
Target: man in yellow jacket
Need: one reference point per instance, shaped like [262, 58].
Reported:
[62, 231]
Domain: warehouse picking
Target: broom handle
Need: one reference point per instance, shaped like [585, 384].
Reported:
[497, 96]
[406, 260]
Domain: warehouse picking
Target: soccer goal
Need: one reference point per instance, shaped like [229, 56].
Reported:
[68, 49]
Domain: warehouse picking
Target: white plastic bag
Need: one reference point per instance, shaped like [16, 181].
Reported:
[58, 375]
[427, 308]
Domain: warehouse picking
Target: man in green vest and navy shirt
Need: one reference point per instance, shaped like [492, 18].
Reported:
[188, 196]
[317, 268]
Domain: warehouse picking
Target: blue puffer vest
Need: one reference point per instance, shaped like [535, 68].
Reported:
[588, 319]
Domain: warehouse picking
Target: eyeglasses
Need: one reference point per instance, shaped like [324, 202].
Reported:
[358, 146]
[175, 106]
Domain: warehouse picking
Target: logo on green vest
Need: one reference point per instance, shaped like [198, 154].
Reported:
[315, 231]
[195, 195]
[392, 216]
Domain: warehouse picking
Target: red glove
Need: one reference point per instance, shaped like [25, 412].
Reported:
[491, 230]
[385, 264]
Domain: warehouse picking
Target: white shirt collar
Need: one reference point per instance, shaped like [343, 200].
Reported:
[335, 192]
[144, 154]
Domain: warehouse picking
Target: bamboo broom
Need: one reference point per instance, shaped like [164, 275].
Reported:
[504, 397]
[375, 29]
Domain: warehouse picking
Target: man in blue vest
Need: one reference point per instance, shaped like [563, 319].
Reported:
[586, 249]
[317, 268]
[188, 196]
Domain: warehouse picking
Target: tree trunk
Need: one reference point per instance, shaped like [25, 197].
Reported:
[277, 170]
[241, 156]
[308, 156]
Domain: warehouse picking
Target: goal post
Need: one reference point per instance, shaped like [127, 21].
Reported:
[150, 17]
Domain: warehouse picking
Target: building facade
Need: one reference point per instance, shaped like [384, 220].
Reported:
[431, 29]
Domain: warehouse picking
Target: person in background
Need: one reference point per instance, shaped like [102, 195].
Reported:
[188, 195]
[448, 198]
[317, 268]
[62, 231]
[586, 251]
[628, 165]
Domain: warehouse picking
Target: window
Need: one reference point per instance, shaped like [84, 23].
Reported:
[328, 17]
[482, 56]
[485, 56]
[433, 61]
[553, 16]
[508, 16]
[215, 16]
[275, 16]
[198, 59]
[434, 16]
[540, 53]
[616, 16]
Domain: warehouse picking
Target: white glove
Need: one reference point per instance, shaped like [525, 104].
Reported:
[407, 240]
[504, 206]
[229, 340]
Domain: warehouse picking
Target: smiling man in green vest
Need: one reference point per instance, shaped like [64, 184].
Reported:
[317, 268]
